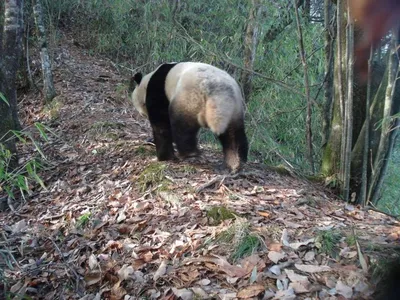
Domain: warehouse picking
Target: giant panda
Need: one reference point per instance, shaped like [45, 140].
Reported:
[179, 98]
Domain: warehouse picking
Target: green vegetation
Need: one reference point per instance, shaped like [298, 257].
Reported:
[217, 214]
[153, 176]
[145, 151]
[328, 242]
[238, 240]
[52, 109]
[21, 179]
[248, 244]
[351, 240]
[189, 169]
[105, 130]
[391, 193]
[83, 220]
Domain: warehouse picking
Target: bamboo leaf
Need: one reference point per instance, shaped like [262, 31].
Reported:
[41, 128]
[3, 98]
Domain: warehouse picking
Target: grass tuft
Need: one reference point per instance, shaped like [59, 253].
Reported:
[154, 175]
[327, 241]
[239, 240]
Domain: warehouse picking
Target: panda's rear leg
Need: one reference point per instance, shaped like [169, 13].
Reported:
[184, 131]
[235, 146]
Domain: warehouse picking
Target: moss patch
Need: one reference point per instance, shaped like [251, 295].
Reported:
[217, 214]
[153, 176]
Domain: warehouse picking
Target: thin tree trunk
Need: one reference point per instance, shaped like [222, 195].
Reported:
[49, 91]
[307, 89]
[12, 49]
[364, 174]
[250, 47]
[9, 59]
[328, 85]
[28, 67]
[332, 156]
[341, 42]
[349, 105]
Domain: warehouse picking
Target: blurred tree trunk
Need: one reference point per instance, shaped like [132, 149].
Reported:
[10, 53]
[349, 96]
[49, 91]
[250, 48]
[387, 133]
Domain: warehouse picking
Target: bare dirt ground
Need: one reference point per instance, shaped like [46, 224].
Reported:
[115, 224]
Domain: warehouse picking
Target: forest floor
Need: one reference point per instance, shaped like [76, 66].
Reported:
[116, 224]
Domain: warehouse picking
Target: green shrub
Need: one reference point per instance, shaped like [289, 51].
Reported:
[21, 178]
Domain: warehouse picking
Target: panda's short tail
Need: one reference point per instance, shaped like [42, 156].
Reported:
[218, 116]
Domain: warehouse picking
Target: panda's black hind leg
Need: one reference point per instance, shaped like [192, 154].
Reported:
[235, 146]
[184, 132]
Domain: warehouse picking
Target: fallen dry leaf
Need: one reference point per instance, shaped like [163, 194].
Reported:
[92, 278]
[361, 258]
[346, 253]
[162, 269]
[312, 268]
[275, 256]
[264, 214]
[223, 265]
[293, 277]
[251, 291]
[93, 262]
[277, 247]
[300, 287]
[205, 281]
[184, 294]
[297, 245]
[125, 272]
[309, 256]
[117, 292]
[200, 293]
[344, 290]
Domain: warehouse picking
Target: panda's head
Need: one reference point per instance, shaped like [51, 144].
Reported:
[139, 92]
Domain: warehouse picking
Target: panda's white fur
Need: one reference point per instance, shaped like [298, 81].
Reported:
[191, 85]
[200, 91]
[139, 95]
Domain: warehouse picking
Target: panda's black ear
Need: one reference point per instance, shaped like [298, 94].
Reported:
[135, 80]
[138, 77]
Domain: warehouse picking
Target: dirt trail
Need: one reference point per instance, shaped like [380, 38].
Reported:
[108, 228]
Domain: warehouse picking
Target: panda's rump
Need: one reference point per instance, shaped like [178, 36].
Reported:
[209, 94]
[218, 113]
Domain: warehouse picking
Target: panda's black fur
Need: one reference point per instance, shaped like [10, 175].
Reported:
[171, 122]
[157, 105]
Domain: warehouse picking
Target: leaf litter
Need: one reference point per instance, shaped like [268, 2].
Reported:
[108, 228]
